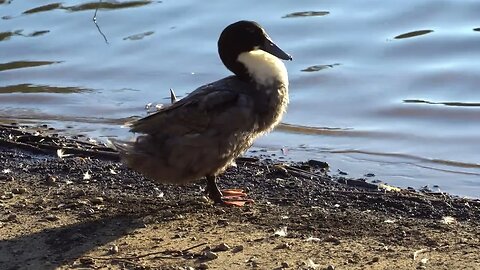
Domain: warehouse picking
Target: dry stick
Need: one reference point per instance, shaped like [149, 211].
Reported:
[95, 22]
[302, 173]
[50, 149]
[190, 248]
[151, 253]
[23, 146]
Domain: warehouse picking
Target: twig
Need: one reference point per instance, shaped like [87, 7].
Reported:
[190, 248]
[96, 24]
[128, 258]
[180, 253]
[303, 173]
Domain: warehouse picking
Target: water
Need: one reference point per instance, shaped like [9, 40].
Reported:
[383, 87]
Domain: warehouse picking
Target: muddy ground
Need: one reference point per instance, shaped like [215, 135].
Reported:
[85, 210]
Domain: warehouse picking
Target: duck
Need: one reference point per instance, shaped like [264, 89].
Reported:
[201, 135]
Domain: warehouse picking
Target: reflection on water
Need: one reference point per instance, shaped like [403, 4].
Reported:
[8, 35]
[88, 6]
[413, 34]
[373, 88]
[107, 5]
[139, 36]
[306, 14]
[30, 88]
[416, 159]
[25, 64]
[43, 8]
[319, 67]
[459, 104]
[33, 116]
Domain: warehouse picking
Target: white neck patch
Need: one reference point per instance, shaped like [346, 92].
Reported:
[264, 68]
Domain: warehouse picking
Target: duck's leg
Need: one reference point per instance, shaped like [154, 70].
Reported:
[212, 189]
[225, 197]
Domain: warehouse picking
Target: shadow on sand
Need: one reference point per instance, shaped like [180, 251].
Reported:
[55, 247]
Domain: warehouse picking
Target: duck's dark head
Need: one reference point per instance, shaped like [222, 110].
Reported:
[247, 50]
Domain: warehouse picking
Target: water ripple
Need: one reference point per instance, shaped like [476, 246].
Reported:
[319, 67]
[43, 8]
[88, 6]
[413, 34]
[108, 5]
[306, 14]
[139, 36]
[25, 64]
[413, 157]
[7, 35]
[338, 132]
[32, 88]
[454, 104]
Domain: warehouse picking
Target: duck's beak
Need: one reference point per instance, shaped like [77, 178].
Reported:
[273, 49]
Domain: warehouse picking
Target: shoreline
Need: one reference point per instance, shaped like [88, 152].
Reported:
[78, 208]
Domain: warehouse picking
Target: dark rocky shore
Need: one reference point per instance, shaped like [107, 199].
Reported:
[69, 203]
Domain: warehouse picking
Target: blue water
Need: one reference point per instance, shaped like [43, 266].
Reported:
[369, 94]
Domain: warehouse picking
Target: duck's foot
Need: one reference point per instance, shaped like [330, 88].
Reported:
[235, 197]
[230, 197]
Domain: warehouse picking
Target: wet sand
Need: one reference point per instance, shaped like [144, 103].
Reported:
[86, 210]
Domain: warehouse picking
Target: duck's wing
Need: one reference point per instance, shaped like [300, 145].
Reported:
[214, 104]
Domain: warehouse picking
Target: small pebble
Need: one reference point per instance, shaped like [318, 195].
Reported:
[96, 200]
[203, 266]
[11, 217]
[285, 265]
[219, 211]
[221, 247]
[4, 177]
[284, 246]
[50, 180]
[280, 170]
[318, 164]
[330, 267]
[223, 222]
[87, 261]
[204, 199]
[113, 249]
[19, 190]
[6, 196]
[82, 202]
[237, 249]
[375, 259]
[52, 218]
[78, 193]
[333, 240]
[211, 255]
[88, 212]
